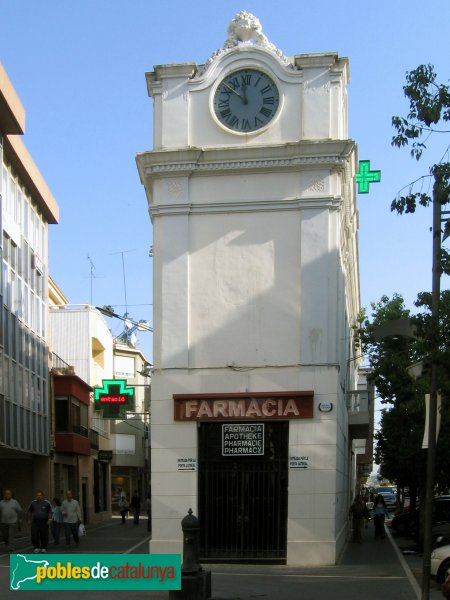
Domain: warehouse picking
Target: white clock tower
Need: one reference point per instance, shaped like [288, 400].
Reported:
[250, 186]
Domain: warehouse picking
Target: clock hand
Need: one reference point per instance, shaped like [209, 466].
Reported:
[234, 91]
[244, 91]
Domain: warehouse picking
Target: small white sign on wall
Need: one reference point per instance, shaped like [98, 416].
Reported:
[299, 462]
[186, 464]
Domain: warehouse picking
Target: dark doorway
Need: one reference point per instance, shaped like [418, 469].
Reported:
[243, 499]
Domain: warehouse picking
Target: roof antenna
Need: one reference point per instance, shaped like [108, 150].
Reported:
[122, 252]
[92, 273]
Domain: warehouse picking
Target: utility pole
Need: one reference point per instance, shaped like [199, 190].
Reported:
[432, 419]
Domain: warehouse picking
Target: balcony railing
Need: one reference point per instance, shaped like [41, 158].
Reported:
[79, 429]
[93, 438]
[357, 401]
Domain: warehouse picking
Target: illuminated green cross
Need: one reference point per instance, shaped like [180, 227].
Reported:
[114, 398]
[366, 177]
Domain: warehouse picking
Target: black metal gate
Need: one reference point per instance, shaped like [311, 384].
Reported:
[243, 499]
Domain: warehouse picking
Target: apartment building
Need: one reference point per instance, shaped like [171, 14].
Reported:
[27, 209]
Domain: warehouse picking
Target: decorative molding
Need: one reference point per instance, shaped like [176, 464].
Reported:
[289, 204]
[245, 30]
[174, 188]
[316, 184]
[256, 164]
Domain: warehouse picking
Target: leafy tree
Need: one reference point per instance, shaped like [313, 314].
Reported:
[429, 112]
[399, 439]
[441, 356]
[398, 448]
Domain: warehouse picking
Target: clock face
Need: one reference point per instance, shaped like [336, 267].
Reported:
[246, 100]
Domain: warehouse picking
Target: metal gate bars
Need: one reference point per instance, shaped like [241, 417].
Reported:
[243, 500]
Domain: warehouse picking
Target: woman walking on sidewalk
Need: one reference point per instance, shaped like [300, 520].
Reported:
[57, 520]
[380, 512]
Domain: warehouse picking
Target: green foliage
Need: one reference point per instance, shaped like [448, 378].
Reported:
[429, 104]
[399, 443]
[399, 440]
[389, 357]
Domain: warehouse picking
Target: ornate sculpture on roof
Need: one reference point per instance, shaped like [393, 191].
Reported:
[245, 30]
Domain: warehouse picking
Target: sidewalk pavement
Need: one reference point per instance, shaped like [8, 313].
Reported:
[373, 570]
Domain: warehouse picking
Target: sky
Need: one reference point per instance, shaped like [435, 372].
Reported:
[79, 70]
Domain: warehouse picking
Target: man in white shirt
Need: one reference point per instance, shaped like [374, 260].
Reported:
[10, 511]
[71, 512]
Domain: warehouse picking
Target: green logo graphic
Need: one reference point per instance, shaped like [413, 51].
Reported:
[96, 572]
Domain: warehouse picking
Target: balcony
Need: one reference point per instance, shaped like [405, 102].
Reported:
[359, 417]
[72, 443]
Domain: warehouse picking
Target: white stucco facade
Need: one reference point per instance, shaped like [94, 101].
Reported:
[256, 283]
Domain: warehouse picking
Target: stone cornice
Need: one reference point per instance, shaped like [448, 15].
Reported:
[286, 204]
[204, 161]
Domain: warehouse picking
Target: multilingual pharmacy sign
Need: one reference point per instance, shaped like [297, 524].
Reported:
[245, 439]
[114, 399]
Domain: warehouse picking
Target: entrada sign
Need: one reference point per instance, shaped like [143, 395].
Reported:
[114, 398]
[275, 405]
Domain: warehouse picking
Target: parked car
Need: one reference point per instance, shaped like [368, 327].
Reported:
[385, 488]
[440, 563]
[406, 523]
[401, 523]
[441, 521]
[441, 509]
[440, 534]
[390, 499]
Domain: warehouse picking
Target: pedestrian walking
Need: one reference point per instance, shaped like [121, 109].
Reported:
[136, 506]
[123, 508]
[10, 513]
[40, 517]
[57, 520]
[148, 508]
[71, 513]
[359, 513]
[380, 512]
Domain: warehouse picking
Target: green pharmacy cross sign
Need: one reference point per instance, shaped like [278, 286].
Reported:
[365, 177]
[114, 398]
